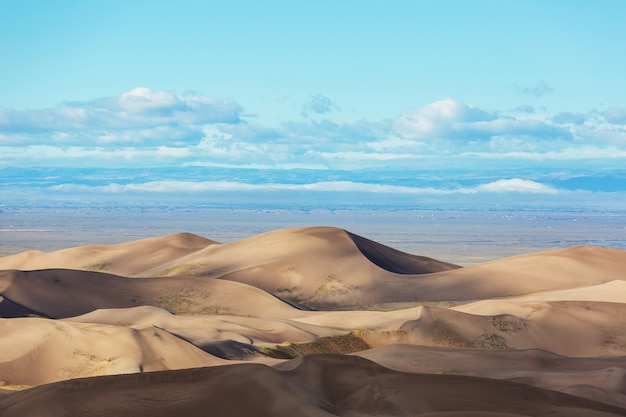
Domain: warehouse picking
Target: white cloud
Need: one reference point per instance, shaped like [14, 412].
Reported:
[538, 89]
[569, 118]
[524, 108]
[452, 127]
[143, 126]
[515, 185]
[318, 104]
[615, 115]
[138, 116]
[142, 100]
[439, 119]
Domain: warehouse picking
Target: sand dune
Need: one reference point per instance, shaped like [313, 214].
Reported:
[127, 259]
[9, 309]
[566, 328]
[328, 267]
[572, 328]
[606, 375]
[313, 386]
[202, 330]
[61, 293]
[317, 266]
[489, 340]
[578, 329]
[543, 271]
[613, 292]
[38, 351]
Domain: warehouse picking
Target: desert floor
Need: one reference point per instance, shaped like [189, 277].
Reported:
[310, 321]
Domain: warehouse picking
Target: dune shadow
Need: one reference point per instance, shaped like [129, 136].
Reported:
[397, 261]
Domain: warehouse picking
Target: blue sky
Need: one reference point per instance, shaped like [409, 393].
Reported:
[514, 87]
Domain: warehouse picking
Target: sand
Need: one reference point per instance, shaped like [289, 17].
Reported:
[311, 321]
[317, 385]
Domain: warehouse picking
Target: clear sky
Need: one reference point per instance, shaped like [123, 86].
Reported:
[318, 84]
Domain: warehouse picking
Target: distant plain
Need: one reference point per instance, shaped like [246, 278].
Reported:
[462, 236]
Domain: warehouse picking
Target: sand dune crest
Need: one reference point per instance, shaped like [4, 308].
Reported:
[61, 293]
[126, 259]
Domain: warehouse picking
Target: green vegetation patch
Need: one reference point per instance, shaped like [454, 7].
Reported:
[333, 286]
[443, 334]
[180, 302]
[508, 324]
[491, 341]
[214, 309]
[347, 343]
[102, 266]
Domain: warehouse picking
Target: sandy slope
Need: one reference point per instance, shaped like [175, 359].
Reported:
[567, 328]
[126, 259]
[60, 293]
[319, 265]
[37, 351]
[554, 320]
[313, 386]
[329, 267]
[576, 329]
[301, 265]
[204, 330]
[587, 377]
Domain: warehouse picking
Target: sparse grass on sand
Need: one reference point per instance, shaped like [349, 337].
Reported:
[178, 270]
[347, 343]
[102, 266]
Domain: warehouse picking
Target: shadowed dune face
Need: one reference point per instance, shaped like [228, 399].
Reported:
[9, 309]
[315, 266]
[396, 261]
[550, 320]
[60, 293]
[318, 385]
[601, 377]
[328, 267]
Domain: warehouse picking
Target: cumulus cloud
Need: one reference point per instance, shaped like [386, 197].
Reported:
[440, 119]
[142, 106]
[539, 89]
[512, 185]
[294, 143]
[567, 117]
[318, 104]
[144, 126]
[466, 126]
[524, 108]
[615, 115]
[135, 117]
[336, 135]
